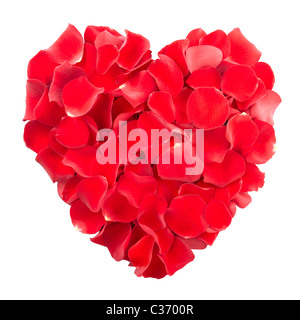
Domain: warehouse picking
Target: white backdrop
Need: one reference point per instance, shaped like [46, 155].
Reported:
[43, 257]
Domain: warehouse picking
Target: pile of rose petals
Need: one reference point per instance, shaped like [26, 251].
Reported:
[151, 215]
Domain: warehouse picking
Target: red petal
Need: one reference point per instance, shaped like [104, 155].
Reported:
[106, 56]
[208, 238]
[135, 187]
[72, 132]
[207, 77]
[207, 108]
[180, 103]
[91, 192]
[203, 56]
[242, 50]
[185, 216]
[88, 61]
[36, 136]
[67, 189]
[265, 73]
[242, 200]
[195, 35]
[55, 145]
[116, 238]
[195, 243]
[62, 75]
[177, 257]
[217, 39]
[264, 147]
[137, 89]
[117, 208]
[253, 178]
[91, 33]
[84, 220]
[215, 145]
[34, 92]
[79, 96]
[139, 169]
[230, 169]
[176, 51]
[52, 163]
[239, 82]
[161, 103]
[41, 67]
[189, 188]
[217, 215]
[105, 38]
[242, 132]
[167, 75]
[132, 50]
[48, 113]
[164, 239]
[68, 47]
[168, 188]
[264, 109]
[151, 212]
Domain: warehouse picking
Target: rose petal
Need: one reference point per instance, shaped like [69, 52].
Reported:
[135, 187]
[203, 56]
[79, 96]
[217, 39]
[91, 192]
[164, 239]
[242, 200]
[53, 165]
[55, 145]
[185, 216]
[189, 188]
[207, 108]
[265, 73]
[132, 50]
[106, 56]
[167, 75]
[177, 257]
[72, 132]
[161, 103]
[241, 131]
[67, 189]
[68, 47]
[117, 208]
[242, 50]
[195, 35]
[265, 108]
[217, 215]
[168, 188]
[36, 136]
[139, 169]
[88, 61]
[230, 169]
[180, 103]
[84, 220]
[206, 77]
[239, 82]
[253, 178]
[208, 237]
[106, 37]
[91, 33]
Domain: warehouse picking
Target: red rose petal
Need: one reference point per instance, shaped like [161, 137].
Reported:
[67, 189]
[203, 56]
[84, 220]
[167, 75]
[189, 188]
[53, 165]
[139, 169]
[91, 192]
[137, 89]
[164, 239]
[62, 75]
[265, 108]
[117, 208]
[265, 73]
[106, 37]
[195, 35]
[206, 77]
[208, 237]
[68, 47]
[230, 169]
[217, 215]
[253, 178]
[132, 50]
[161, 103]
[207, 108]
[177, 257]
[41, 67]
[135, 187]
[36, 136]
[242, 200]
[55, 145]
[34, 92]
[242, 50]
[241, 131]
[264, 147]
[217, 39]
[185, 216]
[168, 188]
[72, 132]
[79, 96]
[106, 56]
[176, 51]
[195, 243]
[91, 33]
[180, 103]
[88, 61]
[215, 144]
[239, 82]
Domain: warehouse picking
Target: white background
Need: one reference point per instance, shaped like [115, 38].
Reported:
[43, 257]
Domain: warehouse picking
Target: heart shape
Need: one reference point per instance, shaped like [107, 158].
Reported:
[89, 95]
